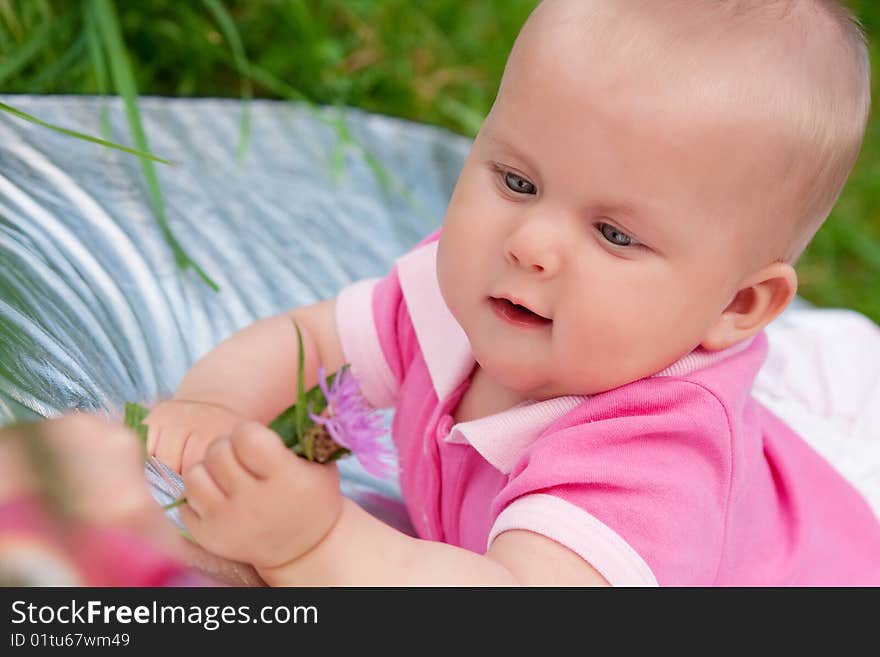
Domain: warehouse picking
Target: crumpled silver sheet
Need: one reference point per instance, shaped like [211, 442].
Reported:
[93, 309]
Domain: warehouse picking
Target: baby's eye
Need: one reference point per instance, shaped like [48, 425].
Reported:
[518, 184]
[616, 237]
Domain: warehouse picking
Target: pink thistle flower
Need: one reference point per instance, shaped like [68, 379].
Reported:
[352, 423]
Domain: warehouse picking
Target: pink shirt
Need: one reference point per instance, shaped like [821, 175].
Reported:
[681, 478]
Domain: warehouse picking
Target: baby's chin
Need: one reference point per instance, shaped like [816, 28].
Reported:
[515, 376]
[523, 380]
[528, 382]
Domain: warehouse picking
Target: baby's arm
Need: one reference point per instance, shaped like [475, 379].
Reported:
[250, 375]
[363, 551]
[253, 500]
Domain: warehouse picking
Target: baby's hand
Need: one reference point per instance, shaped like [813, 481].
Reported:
[180, 431]
[254, 500]
[100, 469]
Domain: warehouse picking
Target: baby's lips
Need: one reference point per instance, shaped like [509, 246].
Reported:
[517, 301]
[518, 315]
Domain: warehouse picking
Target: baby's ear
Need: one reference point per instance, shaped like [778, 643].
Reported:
[757, 303]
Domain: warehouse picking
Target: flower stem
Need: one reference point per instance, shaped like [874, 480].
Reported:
[174, 504]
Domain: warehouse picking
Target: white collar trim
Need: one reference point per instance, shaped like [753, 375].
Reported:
[503, 437]
[444, 344]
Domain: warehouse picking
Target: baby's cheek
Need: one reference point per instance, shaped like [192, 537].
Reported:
[608, 352]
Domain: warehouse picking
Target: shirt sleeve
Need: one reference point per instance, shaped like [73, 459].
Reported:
[367, 314]
[376, 332]
[637, 482]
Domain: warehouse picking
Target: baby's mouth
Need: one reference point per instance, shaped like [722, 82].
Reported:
[517, 314]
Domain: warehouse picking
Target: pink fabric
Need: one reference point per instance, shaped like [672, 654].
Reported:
[677, 479]
[80, 554]
[380, 387]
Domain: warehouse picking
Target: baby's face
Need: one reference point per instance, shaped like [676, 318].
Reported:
[598, 228]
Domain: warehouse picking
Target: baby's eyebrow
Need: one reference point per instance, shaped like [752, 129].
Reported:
[643, 221]
[500, 143]
[624, 210]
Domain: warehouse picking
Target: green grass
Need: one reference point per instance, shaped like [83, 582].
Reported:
[436, 61]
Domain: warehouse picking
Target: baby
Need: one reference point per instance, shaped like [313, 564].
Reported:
[570, 357]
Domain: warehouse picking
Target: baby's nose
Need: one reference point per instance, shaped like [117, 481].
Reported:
[544, 264]
[538, 254]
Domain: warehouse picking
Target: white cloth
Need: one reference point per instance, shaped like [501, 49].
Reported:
[822, 376]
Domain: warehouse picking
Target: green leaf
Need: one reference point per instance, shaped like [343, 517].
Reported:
[99, 65]
[60, 67]
[344, 140]
[337, 161]
[285, 426]
[230, 33]
[344, 137]
[15, 61]
[275, 84]
[133, 419]
[79, 135]
[300, 410]
[285, 423]
[338, 454]
[180, 501]
[123, 79]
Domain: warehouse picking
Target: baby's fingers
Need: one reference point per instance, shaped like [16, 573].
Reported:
[152, 440]
[224, 467]
[153, 422]
[258, 449]
[195, 449]
[203, 495]
[171, 445]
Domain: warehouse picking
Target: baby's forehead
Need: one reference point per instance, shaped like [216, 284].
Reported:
[758, 43]
[799, 67]
[690, 65]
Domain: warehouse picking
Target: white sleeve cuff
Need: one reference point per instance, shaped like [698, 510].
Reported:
[360, 343]
[583, 534]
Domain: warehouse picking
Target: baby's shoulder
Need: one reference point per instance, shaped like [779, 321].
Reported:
[665, 400]
[648, 414]
[702, 388]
